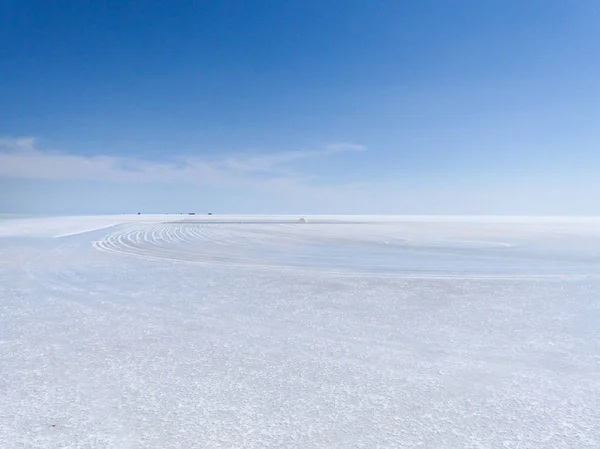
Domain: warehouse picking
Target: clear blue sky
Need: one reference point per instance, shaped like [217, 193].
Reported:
[329, 106]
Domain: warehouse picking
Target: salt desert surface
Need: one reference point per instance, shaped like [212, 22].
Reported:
[262, 331]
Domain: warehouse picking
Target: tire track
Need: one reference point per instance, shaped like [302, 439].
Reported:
[342, 251]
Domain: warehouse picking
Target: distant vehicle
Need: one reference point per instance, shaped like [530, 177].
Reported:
[210, 213]
[192, 213]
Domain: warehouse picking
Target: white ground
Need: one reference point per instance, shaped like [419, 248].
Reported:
[260, 332]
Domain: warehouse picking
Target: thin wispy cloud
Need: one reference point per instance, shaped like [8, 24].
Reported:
[20, 158]
[278, 162]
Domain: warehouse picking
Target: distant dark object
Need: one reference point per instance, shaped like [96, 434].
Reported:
[192, 213]
[139, 213]
[210, 213]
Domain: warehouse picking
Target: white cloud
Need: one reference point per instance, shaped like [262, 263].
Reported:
[272, 182]
[16, 143]
[21, 159]
[277, 162]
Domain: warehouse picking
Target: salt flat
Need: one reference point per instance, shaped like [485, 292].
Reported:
[259, 331]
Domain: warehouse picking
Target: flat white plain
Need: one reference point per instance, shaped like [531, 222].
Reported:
[260, 331]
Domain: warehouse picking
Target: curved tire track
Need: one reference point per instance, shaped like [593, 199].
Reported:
[343, 251]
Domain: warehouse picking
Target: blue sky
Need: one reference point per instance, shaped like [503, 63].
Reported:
[336, 106]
